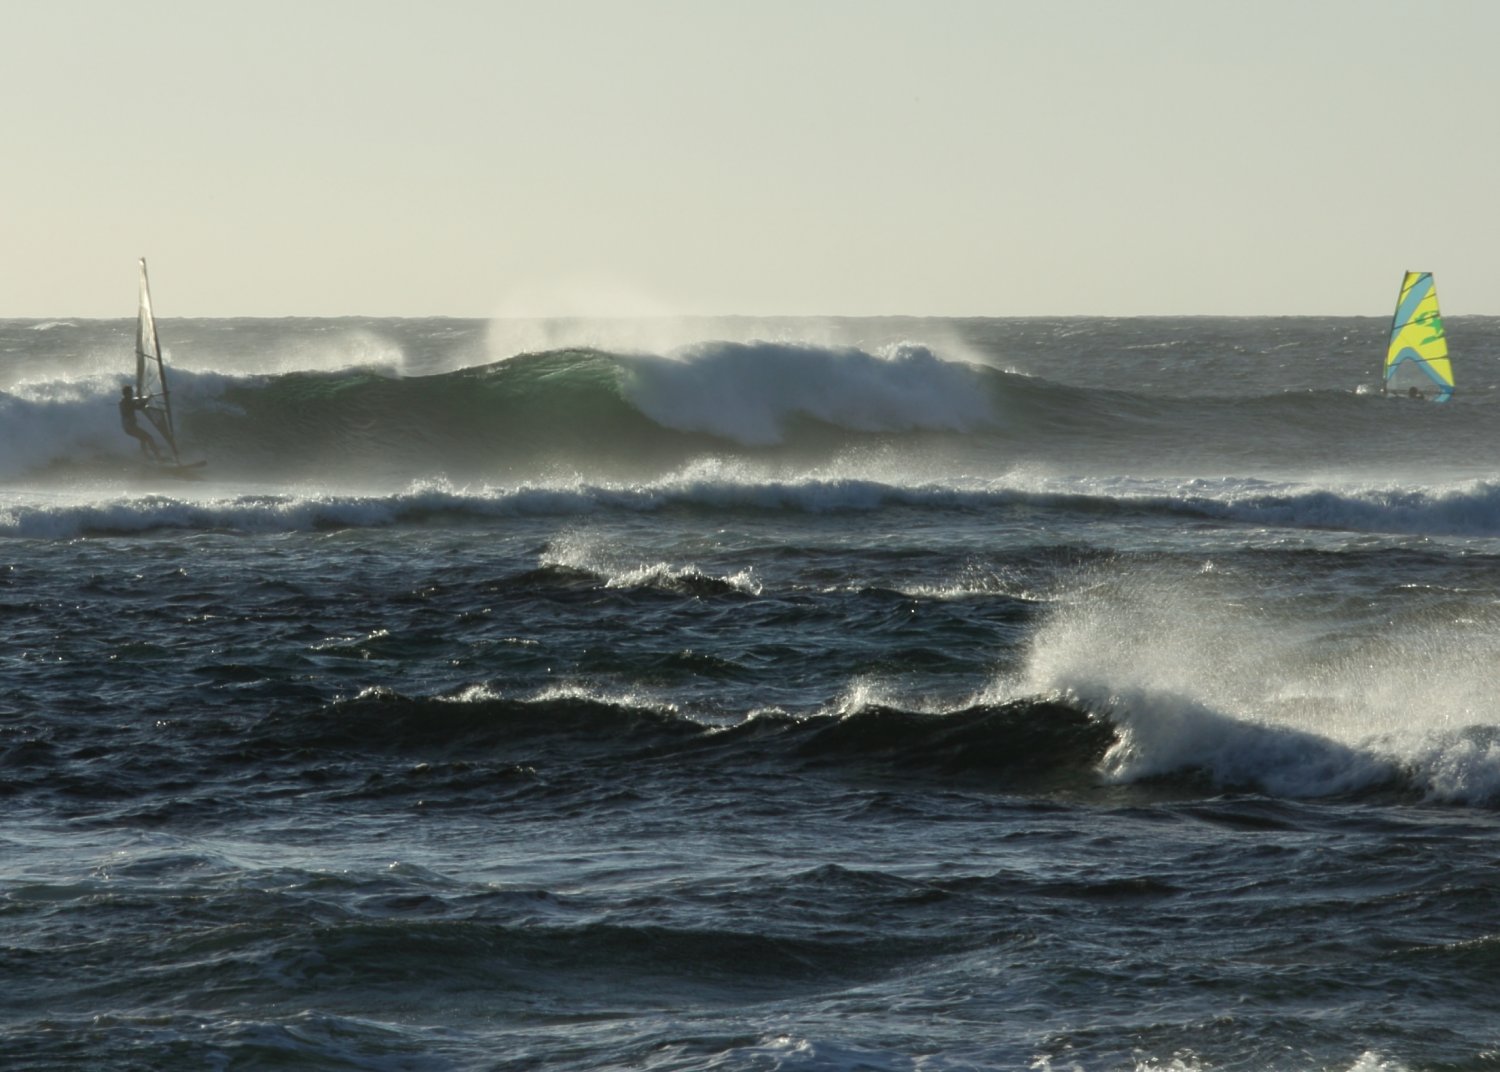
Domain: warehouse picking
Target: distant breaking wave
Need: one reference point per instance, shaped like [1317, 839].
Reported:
[601, 416]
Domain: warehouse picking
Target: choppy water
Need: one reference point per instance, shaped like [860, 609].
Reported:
[846, 694]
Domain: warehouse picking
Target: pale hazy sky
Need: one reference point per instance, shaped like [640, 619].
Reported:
[944, 157]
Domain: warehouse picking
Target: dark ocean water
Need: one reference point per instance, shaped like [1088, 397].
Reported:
[842, 694]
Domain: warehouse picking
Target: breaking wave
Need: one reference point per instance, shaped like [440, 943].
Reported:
[1465, 510]
[602, 413]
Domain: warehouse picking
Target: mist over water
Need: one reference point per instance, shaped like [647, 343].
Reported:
[883, 693]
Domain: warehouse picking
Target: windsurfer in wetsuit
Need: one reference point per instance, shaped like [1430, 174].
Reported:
[128, 405]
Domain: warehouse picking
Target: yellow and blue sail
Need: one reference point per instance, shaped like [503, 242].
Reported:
[1417, 359]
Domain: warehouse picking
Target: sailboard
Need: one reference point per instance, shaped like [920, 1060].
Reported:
[1416, 361]
[151, 374]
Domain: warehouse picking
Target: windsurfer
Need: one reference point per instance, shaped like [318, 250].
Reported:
[128, 405]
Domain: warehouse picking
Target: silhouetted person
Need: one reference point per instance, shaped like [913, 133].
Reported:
[128, 405]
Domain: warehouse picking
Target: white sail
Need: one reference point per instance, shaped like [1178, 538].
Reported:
[151, 370]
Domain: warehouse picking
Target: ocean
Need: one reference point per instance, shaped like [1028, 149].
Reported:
[755, 694]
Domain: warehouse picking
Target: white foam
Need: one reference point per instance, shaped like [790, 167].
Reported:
[747, 392]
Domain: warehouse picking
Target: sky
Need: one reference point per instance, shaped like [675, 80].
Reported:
[492, 158]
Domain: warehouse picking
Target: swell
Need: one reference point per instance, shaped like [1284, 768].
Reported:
[478, 749]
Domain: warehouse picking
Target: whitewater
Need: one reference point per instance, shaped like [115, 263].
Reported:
[821, 693]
